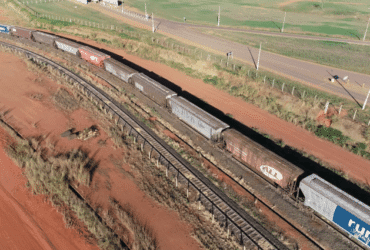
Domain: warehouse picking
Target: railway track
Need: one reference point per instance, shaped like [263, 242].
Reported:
[236, 221]
[292, 198]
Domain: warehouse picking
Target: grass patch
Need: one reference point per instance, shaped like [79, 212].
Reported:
[336, 54]
[52, 177]
[144, 236]
[65, 101]
[332, 134]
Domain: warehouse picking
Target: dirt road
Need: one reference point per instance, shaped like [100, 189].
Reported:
[250, 115]
[312, 74]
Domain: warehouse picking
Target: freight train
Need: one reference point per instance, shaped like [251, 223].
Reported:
[332, 203]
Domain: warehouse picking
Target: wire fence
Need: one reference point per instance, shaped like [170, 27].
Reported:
[40, 1]
[225, 62]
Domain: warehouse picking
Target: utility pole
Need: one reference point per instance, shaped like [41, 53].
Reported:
[366, 29]
[259, 54]
[322, 4]
[363, 107]
[152, 22]
[219, 14]
[282, 30]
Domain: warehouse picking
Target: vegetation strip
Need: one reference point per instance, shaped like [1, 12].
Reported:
[314, 97]
[51, 177]
[86, 88]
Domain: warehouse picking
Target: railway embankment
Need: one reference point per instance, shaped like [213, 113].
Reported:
[244, 174]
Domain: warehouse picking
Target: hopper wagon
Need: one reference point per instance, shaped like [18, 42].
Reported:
[203, 122]
[44, 38]
[337, 206]
[118, 69]
[68, 46]
[93, 56]
[22, 32]
[271, 166]
[153, 89]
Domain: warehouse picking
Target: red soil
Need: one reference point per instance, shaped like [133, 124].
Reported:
[353, 165]
[324, 119]
[35, 117]
[26, 221]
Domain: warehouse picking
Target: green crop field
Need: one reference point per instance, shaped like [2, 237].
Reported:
[336, 18]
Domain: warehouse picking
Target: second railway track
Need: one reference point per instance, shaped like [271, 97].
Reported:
[235, 220]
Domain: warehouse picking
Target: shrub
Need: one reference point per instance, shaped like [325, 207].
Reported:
[367, 133]
[332, 134]
[212, 80]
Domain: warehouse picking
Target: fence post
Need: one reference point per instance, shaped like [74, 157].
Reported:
[282, 88]
[187, 191]
[273, 82]
[368, 124]
[304, 92]
[248, 72]
[354, 115]
[264, 79]
[340, 109]
[293, 90]
[326, 107]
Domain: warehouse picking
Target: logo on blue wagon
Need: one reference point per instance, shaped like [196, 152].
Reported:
[271, 172]
[352, 224]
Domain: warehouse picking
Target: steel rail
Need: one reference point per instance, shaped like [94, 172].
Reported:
[236, 219]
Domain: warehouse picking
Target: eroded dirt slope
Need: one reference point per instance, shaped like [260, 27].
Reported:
[28, 98]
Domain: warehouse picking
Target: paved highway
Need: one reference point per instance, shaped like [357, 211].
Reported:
[310, 73]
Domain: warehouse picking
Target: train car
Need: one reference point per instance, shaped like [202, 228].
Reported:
[68, 46]
[44, 38]
[206, 124]
[5, 29]
[93, 56]
[153, 89]
[337, 206]
[22, 32]
[119, 69]
[273, 167]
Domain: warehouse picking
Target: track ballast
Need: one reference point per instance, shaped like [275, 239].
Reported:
[235, 220]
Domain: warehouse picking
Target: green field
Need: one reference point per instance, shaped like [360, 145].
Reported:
[341, 19]
[336, 54]
[67, 9]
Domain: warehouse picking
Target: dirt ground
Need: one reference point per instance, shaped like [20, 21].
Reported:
[32, 113]
[26, 221]
[353, 165]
